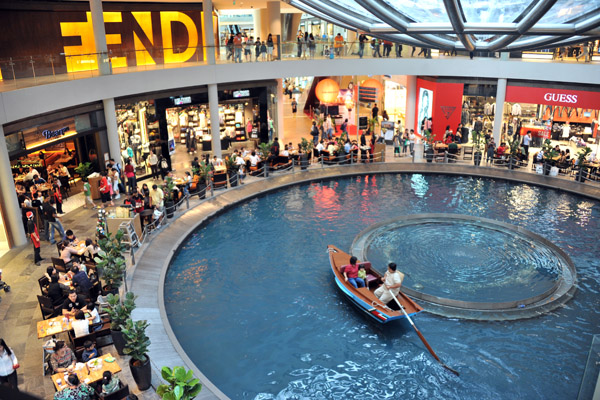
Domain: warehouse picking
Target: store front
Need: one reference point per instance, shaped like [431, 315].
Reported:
[177, 125]
[569, 116]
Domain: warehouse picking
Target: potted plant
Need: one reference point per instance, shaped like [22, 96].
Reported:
[429, 140]
[119, 312]
[549, 154]
[478, 141]
[84, 170]
[341, 152]
[582, 164]
[168, 189]
[232, 170]
[181, 384]
[306, 147]
[136, 346]
[110, 262]
[514, 147]
[372, 124]
[200, 180]
[265, 149]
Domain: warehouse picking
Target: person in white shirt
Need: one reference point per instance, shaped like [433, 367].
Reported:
[153, 163]
[392, 280]
[216, 162]
[320, 146]
[94, 318]
[411, 140]
[254, 159]
[527, 142]
[285, 151]
[32, 172]
[80, 325]
[64, 170]
[8, 366]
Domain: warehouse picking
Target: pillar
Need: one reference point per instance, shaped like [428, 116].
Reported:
[500, 96]
[100, 37]
[279, 104]
[274, 19]
[257, 21]
[215, 126]
[112, 133]
[411, 102]
[11, 211]
[209, 33]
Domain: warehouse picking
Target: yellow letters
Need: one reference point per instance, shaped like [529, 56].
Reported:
[168, 17]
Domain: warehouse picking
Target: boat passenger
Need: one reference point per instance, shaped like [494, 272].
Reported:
[392, 280]
[351, 273]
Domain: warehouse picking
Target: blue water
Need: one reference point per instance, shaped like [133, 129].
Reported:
[252, 300]
[463, 260]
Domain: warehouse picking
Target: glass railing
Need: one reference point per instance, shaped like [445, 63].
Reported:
[21, 72]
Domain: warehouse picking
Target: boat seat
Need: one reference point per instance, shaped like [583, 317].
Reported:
[371, 278]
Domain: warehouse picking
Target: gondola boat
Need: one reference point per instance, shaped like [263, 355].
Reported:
[364, 298]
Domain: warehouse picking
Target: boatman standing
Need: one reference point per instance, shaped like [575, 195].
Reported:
[392, 280]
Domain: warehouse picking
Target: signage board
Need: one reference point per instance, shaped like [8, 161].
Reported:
[555, 97]
[179, 101]
[241, 93]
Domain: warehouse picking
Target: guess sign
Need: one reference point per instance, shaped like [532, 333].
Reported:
[48, 134]
[553, 97]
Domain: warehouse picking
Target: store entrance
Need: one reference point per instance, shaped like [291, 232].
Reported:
[189, 129]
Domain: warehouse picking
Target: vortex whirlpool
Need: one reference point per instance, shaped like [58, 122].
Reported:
[468, 262]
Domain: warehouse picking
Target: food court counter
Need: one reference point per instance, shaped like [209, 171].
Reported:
[114, 218]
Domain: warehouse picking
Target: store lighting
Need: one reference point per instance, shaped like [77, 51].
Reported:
[537, 56]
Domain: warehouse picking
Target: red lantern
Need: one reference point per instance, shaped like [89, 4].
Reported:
[327, 91]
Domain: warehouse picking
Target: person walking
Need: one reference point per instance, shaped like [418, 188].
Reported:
[53, 220]
[294, 107]
[270, 46]
[130, 175]
[362, 39]
[8, 366]
[87, 192]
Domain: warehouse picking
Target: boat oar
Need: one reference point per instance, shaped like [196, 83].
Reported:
[421, 336]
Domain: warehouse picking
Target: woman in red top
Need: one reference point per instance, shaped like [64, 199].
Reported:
[130, 174]
[351, 273]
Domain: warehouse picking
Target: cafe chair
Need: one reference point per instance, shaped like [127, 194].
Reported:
[59, 264]
[78, 342]
[43, 282]
[58, 244]
[118, 395]
[220, 180]
[48, 309]
[468, 151]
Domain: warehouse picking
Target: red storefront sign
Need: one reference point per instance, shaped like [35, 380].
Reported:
[554, 97]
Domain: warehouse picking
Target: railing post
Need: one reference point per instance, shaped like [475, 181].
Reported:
[322, 160]
[212, 193]
[445, 157]
[293, 165]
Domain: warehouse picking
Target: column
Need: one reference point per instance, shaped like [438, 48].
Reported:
[257, 21]
[274, 20]
[215, 126]
[500, 96]
[112, 133]
[209, 32]
[279, 119]
[411, 102]
[100, 37]
[11, 211]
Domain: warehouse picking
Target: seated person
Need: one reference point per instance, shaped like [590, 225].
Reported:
[539, 157]
[351, 273]
[80, 325]
[94, 317]
[37, 180]
[73, 303]
[254, 159]
[392, 280]
[81, 280]
[501, 150]
[362, 273]
[75, 390]
[286, 152]
[89, 351]
[69, 237]
[321, 146]
[55, 291]
[91, 247]
[62, 358]
[110, 383]
[453, 148]
[68, 253]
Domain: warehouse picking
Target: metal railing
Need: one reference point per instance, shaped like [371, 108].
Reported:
[39, 69]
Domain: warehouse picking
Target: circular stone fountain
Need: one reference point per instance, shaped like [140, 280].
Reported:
[471, 267]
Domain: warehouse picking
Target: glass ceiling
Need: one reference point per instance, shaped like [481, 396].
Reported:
[486, 25]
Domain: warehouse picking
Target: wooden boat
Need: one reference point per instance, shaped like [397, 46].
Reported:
[364, 298]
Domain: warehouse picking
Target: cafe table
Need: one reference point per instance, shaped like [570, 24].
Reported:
[220, 168]
[53, 326]
[89, 372]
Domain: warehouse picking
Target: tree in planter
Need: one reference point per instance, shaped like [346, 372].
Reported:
[306, 147]
[548, 153]
[136, 346]
[169, 191]
[265, 149]
[201, 177]
[478, 141]
[119, 312]
[232, 168]
[582, 163]
[429, 139]
[372, 124]
[514, 149]
[110, 261]
[182, 384]
[84, 170]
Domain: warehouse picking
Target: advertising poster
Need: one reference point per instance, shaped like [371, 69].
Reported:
[425, 107]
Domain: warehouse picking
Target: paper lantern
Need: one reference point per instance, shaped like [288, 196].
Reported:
[374, 83]
[327, 91]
